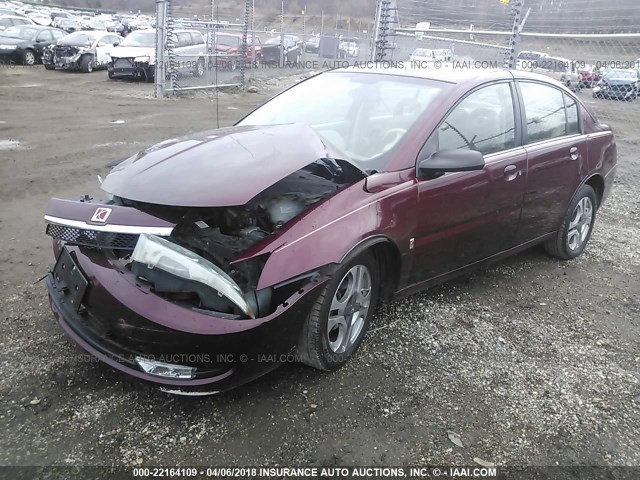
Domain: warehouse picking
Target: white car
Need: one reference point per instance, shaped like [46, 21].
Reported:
[561, 69]
[136, 55]
[431, 55]
[85, 51]
[7, 21]
[527, 60]
[352, 49]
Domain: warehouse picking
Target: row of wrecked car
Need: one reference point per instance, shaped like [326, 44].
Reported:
[71, 20]
[191, 52]
[614, 80]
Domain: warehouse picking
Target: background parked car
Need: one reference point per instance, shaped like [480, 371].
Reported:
[430, 55]
[231, 44]
[7, 21]
[136, 55]
[351, 48]
[621, 84]
[69, 24]
[25, 43]
[589, 76]
[271, 50]
[312, 45]
[561, 69]
[85, 51]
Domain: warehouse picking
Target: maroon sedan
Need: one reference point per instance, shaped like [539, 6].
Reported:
[222, 255]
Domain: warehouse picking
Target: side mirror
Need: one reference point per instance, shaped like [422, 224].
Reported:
[451, 161]
[115, 44]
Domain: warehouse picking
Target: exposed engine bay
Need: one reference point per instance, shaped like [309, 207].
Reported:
[221, 234]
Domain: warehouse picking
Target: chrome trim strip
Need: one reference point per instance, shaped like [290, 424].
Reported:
[131, 229]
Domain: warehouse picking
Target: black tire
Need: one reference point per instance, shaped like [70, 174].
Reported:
[29, 58]
[86, 64]
[111, 75]
[314, 342]
[49, 67]
[200, 68]
[561, 246]
[151, 73]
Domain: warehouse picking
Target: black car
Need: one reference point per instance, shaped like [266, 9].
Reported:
[312, 45]
[271, 51]
[25, 44]
[69, 25]
[620, 84]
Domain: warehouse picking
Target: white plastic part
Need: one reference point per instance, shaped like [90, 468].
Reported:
[156, 252]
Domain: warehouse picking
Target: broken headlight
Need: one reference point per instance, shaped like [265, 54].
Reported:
[157, 253]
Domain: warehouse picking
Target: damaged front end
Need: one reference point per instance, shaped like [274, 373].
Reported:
[64, 56]
[149, 282]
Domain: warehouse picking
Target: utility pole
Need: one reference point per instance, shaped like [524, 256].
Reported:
[282, 34]
[253, 34]
[304, 21]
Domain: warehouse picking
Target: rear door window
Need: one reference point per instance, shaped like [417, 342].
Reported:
[544, 111]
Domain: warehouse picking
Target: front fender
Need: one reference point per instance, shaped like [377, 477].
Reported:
[328, 232]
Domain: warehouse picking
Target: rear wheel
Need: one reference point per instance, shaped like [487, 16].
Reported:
[340, 317]
[29, 58]
[575, 232]
[86, 64]
[199, 71]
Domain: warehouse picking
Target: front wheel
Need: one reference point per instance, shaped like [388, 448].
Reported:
[48, 66]
[199, 71]
[341, 315]
[86, 64]
[575, 231]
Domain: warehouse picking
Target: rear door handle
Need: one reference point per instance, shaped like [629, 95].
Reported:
[511, 172]
[573, 153]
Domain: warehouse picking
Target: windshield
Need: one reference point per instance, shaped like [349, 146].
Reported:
[621, 74]
[25, 33]
[140, 39]
[364, 115]
[82, 39]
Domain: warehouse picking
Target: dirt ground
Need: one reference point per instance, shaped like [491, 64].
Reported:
[532, 361]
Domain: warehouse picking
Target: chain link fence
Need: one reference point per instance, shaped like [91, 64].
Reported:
[592, 46]
[213, 44]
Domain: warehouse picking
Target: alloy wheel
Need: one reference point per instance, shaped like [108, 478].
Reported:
[29, 58]
[580, 224]
[349, 308]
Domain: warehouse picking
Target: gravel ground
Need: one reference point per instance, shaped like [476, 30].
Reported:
[531, 361]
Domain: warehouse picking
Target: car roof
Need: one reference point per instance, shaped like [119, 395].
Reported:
[37, 27]
[452, 75]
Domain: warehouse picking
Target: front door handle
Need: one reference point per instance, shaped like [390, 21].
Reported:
[511, 172]
[573, 153]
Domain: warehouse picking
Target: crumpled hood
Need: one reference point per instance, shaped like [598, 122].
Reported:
[224, 167]
[131, 52]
